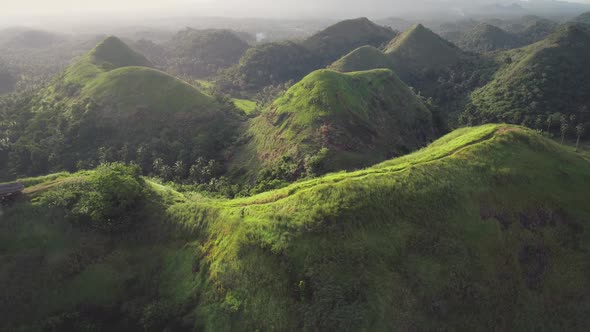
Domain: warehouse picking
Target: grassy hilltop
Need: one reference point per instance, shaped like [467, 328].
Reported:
[332, 121]
[484, 229]
[361, 59]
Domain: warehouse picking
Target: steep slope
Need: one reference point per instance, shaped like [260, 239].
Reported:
[112, 53]
[363, 58]
[108, 106]
[538, 80]
[202, 53]
[279, 62]
[485, 38]
[419, 49]
[340, 121]
[487, 222]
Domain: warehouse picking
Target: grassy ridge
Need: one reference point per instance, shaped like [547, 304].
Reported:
[503, 235]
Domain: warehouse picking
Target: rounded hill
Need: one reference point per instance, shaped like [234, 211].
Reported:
[536, 81]
[110, 107]
[347, 120]
[363, 58]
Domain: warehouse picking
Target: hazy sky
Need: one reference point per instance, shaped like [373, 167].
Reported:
[217, 7]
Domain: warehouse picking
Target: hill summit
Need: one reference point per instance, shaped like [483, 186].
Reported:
[340, 38]
[113, 53]
[361, 59]
[341, 121]
[419, 49]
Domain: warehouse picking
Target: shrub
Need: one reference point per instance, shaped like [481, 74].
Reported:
[117, 191]
[108, 200]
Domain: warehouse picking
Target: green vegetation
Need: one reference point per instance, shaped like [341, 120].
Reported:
[331, 121]
[105, 108]
[439, 72]
[538, 81]
[203, 53]
[342, 37]
[280, 62]
[361, 59]
[485, 38]
[248, 106]
[486, 223]
[419, 49]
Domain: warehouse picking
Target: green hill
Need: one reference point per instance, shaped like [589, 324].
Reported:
[332, 121]
[536, 81]
[280, 62]
[112, 53]
[419, 49]
[486, 229]
[485, 38]
[108, 107]
[268, 64]
[363, 58]
[202, 53]
[342, 37]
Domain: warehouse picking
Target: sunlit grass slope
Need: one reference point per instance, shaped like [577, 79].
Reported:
[358, 118]
[487, 228]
